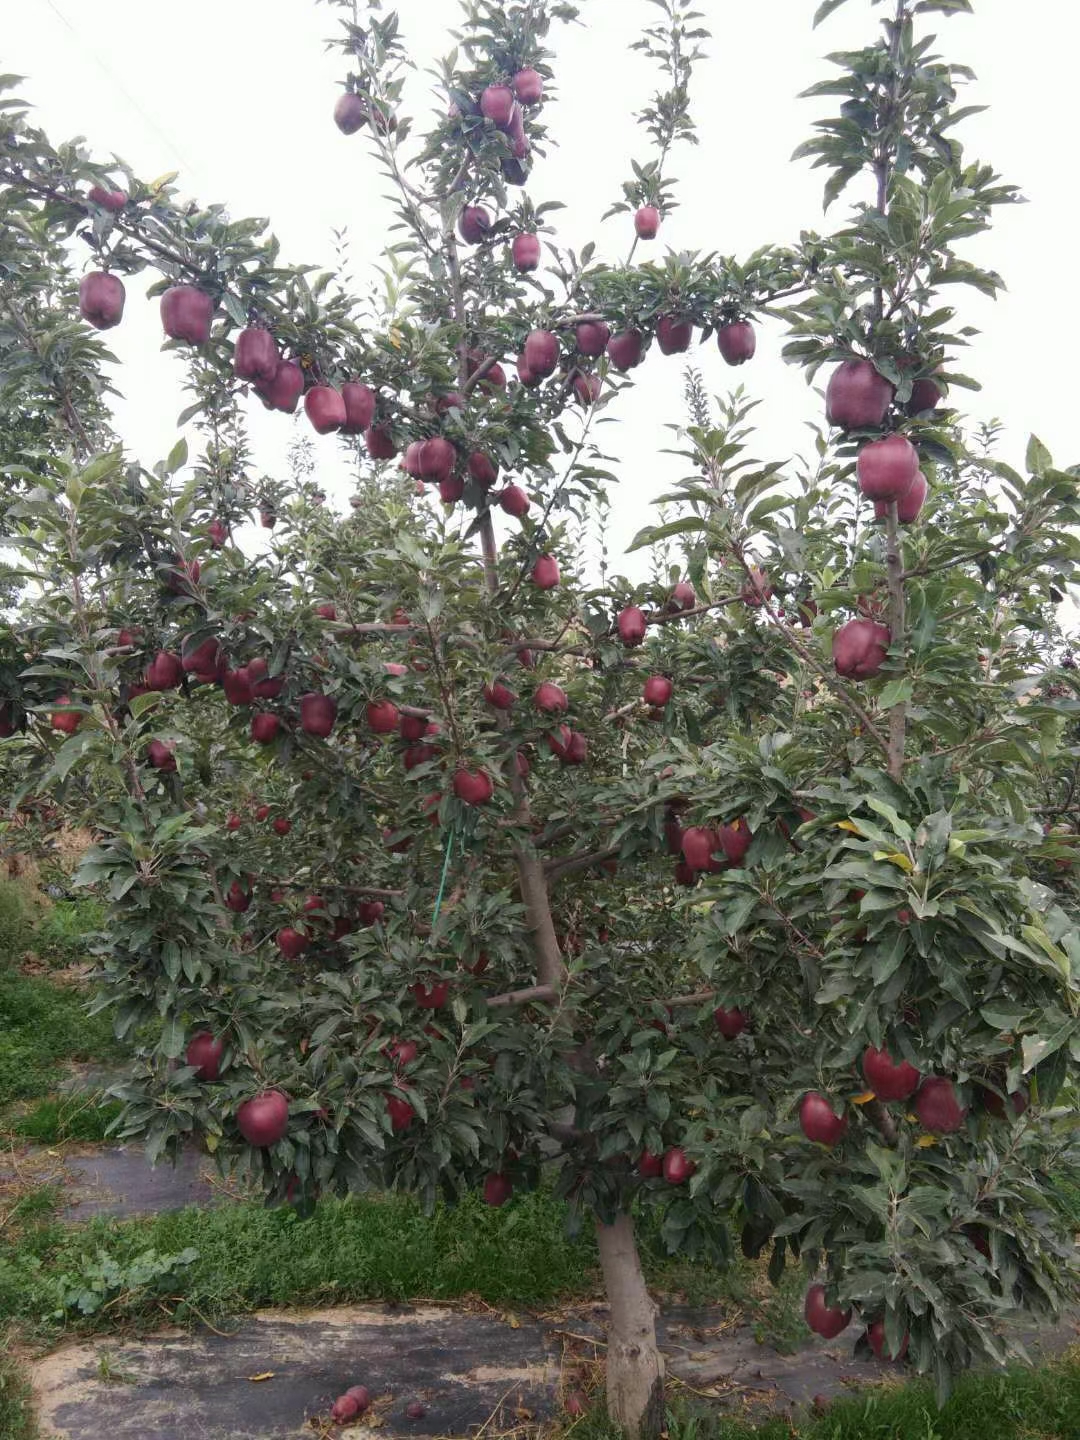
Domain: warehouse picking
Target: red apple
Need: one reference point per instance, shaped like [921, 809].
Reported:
[262, 812]
[401, 1113]
[412, 727]
[875, 1338]
[473, 224]
[473, 787]
[647, 222]
[926, 395]
[860, 648]
[292, 943]
[361, 1394]
[700, 844]
[677, 1166]
[756, 589]
[632, 626]
[819, 1121]
[587, 387]
[937, 1106]
[570, 746]
[550, 698]
[545, 573]
[658, 691]
[370, 912]
[201, 659]
[674, 335]
[528, 86]
[187, 313]
[888, 1079]
[284, 390]
[164, 672]
[453, 400]
[359, 407]
[160, 756]
[591, 337]
[415, 1410]
[326, 611]
[234, 822]
[416, 755]
[730, 1023]
[525, 251]
[735, 841]
[500, 696]
[111, 200]
[255, 355]
[237, 687]
[683, 596]
[909, 504]
[382, 717]
[737, 342]
[282, 826]
[380, 442]
[497, 105]
[345, 1407]
[218, 532]
[514, 501]
[237, 898]
[541, 352]
[857, 397]
[265, 729]
[350, 113]
[317, 714]
[650, 1166]
[432, 997]
[66, 721]
[886, 469]
[825, 1320]
[526, 374]
[482, 469]
[626, 350]
[205, 1053]
[497, 1189]
[437, 459]
[325, 408]
[264, 1119]
[101, 299]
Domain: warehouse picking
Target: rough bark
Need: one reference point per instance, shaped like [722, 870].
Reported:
[635, 1367]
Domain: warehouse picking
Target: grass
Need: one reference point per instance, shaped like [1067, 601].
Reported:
[54, 1120]
[16, 1413]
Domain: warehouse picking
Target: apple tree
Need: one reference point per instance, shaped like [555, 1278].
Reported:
[437, 860]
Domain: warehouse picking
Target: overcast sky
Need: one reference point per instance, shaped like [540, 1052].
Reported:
[237, 96]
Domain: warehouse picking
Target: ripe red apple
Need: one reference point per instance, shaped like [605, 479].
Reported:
[416, 755]
[647, 222]
[325, 408]
[361, 1394]
[886, 469]
[237, 687]
[265, 729]
[528, 86]
[650, 1166]
[700, 844]
[255, 355]
[570, 746]
[283, 391]
[632, 626]
[526, 374]
[66, 721]
[350, 113]
[730, 1023]
[237, 898]
[909, 504]
[326, 611]
[164, 672]
[497, 1189]
[371, 912]
[658, 691]
[201, 659]
[483, 470]
[737, 342]
[415, 1410]
[1019, 1103]
[926, 395]
[437, 459]
[888, 1079]
[587, 387]
[205, 1053]
[111, 200]
[432, 997]
[514, 501]
[685, 874]
[412, 727]
[550, 698]
[591, 337]
[380, 442]
[823, 1319]
[525, 252]
[282, 826]
[860, 648]
[473, 224]
[677, 1166]
[541, 352]
[345, 1407]
[234, 822]
[937, 1106]
[626, 350]
[497, 105]
[500, 696]
[101, 299]
[453, 400]
[317, 714]
[218, 532]
[674, 335]
[401, 1113]
[756, 589]
[292, 943]
[382, 717]
[735, 841]
[473, 787]
[264, 1119]
[819, 1121]
[875, 1338]
[262, 812]
[359, 407]
[161, 756]
[187, 313]
[545, 573]
[857, 397]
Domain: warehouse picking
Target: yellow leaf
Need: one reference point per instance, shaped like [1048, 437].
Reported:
[512, 1321]
[163, 180]
[864, 1098]
[211, 1142]
[394, 336]
[848, 825]
[266, 1375]
[894, 857]
[925, 1141]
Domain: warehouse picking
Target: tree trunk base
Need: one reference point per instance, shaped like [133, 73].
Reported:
[635, 1367]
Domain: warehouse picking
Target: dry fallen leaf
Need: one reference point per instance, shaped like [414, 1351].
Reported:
[266, 1375]
[512, 1321]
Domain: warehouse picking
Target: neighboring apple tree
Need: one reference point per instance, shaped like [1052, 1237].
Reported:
[440, 862]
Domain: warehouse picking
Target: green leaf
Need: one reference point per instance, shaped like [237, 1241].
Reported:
[652, 534]
[1038, 458]
[177, 457]
[825, 9]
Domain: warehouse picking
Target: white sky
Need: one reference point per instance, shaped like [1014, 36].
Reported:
[237, 95]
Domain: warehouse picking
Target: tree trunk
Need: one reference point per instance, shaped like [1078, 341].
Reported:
[635, 1367]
